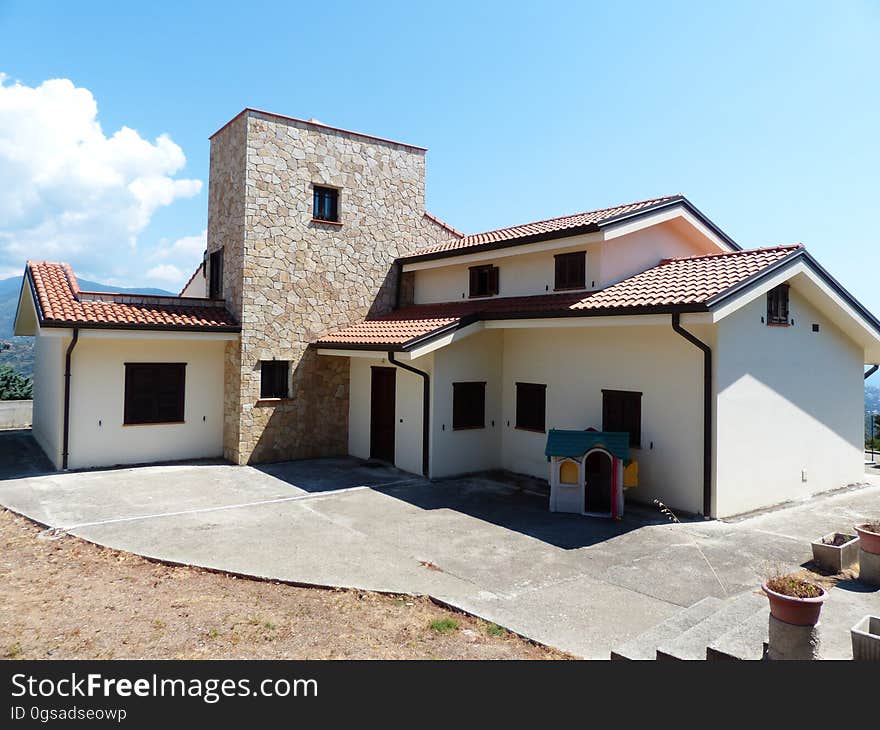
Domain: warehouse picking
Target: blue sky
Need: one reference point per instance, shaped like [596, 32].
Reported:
[765, 114]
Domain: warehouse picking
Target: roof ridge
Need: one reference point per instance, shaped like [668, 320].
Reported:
[72, 281]
[584, 212]
[444, 224]
[763, 249]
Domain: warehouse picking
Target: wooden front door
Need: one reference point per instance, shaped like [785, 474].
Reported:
[382, 397]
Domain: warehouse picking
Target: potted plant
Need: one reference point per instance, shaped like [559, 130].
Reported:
[866, 639]
[869, 537]
[794, 600]
[836, 551]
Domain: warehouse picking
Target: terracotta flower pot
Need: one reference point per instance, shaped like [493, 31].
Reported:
[869, 541]
[795, 611]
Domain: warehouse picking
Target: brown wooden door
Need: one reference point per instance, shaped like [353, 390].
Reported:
[382, 416]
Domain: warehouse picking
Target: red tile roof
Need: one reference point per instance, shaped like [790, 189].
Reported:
[566, 225]
[60, 302]
[673, 283]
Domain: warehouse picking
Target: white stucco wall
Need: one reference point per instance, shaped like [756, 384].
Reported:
[528, 274]
[519, 275]
[789, 399]
[408, 411]
[97, 434]
[627, 255]
[197, 286]
[48, 416]
[473, 359]
[576, 364]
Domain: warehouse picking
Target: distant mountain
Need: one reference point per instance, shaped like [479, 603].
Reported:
[872, 398]
[19, 351]
[10, 288]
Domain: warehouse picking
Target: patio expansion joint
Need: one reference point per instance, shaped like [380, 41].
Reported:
[61, 529]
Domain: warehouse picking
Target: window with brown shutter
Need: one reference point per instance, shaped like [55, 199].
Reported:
[468, 405]
[273, 378]
[483, 281]
[531, 406]
[571, 270]
[154, 392]
[777, 305]
[622, 413]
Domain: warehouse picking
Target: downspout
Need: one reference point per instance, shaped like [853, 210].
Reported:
[871, 370]
[707, 410]
[65, 451]
[426, 410]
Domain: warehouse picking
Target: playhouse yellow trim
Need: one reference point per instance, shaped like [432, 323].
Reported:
[569, 473]
[631, 475]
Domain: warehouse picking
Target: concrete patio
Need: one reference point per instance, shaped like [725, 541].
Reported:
[481, 544]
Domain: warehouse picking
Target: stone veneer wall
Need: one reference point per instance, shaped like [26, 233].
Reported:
[290, 279]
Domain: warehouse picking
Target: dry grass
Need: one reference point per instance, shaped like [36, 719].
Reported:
[790, 585]
[68, 599]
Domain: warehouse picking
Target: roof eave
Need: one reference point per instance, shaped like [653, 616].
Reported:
[416, 342]
[69, 324]
[802, 254]
[577, 231]
[672, 202]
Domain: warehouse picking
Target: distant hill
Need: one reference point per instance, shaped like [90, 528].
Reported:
[19, 351]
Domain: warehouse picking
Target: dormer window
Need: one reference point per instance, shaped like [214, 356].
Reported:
[777, 305]
[571, 270]
[326, 204]
[483, 281]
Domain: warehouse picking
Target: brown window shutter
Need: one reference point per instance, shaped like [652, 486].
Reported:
[493, 280]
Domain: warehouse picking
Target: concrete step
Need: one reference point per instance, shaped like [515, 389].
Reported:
[744, 641]
[691, 644]
[644, 646]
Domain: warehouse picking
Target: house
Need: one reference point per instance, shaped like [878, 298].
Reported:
[333, 315]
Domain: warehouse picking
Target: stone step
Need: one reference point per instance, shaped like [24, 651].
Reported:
[745, 641]
[644, 646]
[691, 644]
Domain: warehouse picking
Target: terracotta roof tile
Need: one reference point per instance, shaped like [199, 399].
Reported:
[61, 302]
[672, 283]
[553, 225]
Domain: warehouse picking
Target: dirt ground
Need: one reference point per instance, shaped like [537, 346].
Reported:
[66, 598]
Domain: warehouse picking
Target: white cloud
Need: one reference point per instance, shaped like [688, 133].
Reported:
[166, 273]
[70, 192]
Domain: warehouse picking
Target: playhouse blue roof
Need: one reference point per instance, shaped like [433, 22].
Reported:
[562, 442]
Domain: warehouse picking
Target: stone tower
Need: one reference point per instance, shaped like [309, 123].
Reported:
[289, 278]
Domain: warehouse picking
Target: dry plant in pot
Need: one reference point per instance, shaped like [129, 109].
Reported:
[794, 600]
[869, 537]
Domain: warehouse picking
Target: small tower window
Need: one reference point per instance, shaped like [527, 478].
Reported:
[777, 305]
[326, 204]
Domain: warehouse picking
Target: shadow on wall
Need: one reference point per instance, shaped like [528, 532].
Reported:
[313, 422]
[811, 370]
[387, 294]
